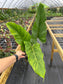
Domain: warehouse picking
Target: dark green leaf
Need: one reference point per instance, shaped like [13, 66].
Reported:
[39, 26]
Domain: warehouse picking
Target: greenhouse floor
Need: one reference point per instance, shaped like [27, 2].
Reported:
[22, 72]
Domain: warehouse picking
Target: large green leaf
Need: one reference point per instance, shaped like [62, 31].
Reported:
[42, 33]
[41, 14]
[39, 26]
[19, 33]
[35, 58]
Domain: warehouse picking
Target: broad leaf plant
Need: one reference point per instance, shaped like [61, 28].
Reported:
[29, 42]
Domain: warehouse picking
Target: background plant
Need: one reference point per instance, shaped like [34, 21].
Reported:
[53, 12]
[5, 42]
[29, 42]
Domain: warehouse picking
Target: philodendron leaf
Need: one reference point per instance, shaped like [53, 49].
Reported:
[19, 33]
[41, 14]
[39, 26]
[42, 33]
[35, 58]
